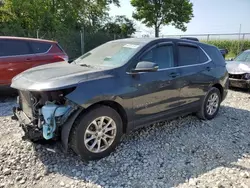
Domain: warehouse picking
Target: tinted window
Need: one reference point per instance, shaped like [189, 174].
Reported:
[190, 55]
[162, 55]
[214, 54]
[40, 47]
[13, 48]
[203, 56]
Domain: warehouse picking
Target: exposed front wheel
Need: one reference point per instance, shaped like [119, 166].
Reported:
[96, 133]
[210, 104]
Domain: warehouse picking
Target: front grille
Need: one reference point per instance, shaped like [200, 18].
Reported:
[237, 76]
[26, 103]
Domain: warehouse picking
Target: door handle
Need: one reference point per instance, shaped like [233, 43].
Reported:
[174, 74]
[28, 59]
[208, 68]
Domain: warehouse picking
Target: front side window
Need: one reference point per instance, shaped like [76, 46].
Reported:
[161, 55]
[13, 48]
[190, 55]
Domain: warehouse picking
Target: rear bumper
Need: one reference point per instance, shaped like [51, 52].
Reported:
[239, 83]
[31, 131]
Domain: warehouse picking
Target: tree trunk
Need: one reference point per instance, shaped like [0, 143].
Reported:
[156, 31]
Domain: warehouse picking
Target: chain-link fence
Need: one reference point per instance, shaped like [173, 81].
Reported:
[77, 42]
[208, 37]
[233, 42]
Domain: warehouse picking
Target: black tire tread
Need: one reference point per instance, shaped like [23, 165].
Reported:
[77, 123]
[201, 114]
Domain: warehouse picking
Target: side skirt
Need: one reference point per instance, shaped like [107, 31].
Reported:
[169, 115]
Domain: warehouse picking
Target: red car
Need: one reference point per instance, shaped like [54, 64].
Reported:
[19, 54]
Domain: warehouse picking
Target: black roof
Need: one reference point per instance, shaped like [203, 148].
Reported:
[144, 41]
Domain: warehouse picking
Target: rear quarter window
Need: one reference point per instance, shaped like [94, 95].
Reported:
[40, 47]
[10, 47]
[215, 55]
[60, 48]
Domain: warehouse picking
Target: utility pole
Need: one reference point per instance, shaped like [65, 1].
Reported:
[239, 40]
[82, 41]
[37, 33]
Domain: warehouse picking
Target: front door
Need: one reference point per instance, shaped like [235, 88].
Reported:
[157, 92]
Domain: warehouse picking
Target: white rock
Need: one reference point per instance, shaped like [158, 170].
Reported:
[244, 174]
[192, 181]
[62, 184]
[22, 181]
[6, 171]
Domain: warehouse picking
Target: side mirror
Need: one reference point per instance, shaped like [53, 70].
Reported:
[145, 66]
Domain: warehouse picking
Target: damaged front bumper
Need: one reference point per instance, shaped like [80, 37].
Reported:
[239, 83]
[31, 131]
[43, 122]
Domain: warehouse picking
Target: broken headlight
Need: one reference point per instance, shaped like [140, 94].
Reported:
[247, 76]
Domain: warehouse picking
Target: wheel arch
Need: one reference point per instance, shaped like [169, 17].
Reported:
[220, 88]
[67, 127]
[117, 107]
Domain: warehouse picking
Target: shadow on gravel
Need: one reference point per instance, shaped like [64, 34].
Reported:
[7, 102]
[162, 155]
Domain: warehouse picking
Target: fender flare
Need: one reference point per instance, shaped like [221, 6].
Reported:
[66, 128]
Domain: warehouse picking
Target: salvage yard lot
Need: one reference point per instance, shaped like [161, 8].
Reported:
[185, 152]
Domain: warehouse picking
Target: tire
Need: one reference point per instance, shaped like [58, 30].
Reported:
[203, 112]
[86, 127]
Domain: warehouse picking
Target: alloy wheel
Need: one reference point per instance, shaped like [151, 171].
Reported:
[212, 103]
[100, 134]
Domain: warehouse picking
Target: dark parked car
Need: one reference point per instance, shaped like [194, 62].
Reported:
[224, 52]
[118, 87]
[19, 54]
[239, 70]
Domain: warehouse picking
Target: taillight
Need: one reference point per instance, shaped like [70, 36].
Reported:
[61, 58]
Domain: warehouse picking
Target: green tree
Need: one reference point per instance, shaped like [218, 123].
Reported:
[157, 13]
[120, 26]
[60, 20]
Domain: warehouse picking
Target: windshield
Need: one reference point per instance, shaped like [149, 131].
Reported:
[112, 54]
[244, 57]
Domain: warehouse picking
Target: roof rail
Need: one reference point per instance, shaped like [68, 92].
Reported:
[190, 38]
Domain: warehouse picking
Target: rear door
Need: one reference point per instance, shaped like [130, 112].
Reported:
[196, 73]
[15, 57]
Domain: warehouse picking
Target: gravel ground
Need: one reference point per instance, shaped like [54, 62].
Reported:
[185, 152]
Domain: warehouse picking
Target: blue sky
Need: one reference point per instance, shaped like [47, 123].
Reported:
[210, 16]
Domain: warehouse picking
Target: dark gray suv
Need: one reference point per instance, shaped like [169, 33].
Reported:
[118, 87]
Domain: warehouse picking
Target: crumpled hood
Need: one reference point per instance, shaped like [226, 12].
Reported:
[54, 76]
[237, 67]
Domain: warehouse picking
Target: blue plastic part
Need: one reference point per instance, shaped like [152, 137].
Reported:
[50, 112]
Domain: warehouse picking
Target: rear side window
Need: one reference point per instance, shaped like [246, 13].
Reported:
[190, 55]
[214, 54]
[14, 48]
[40, 47]
[161, 55]
[203, 56]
